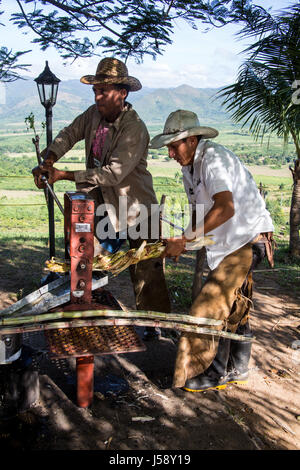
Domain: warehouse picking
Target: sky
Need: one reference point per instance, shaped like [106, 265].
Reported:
[194, 58]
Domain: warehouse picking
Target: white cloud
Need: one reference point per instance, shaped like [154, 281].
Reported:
[155, 74]
[197, 59]
[197, 75]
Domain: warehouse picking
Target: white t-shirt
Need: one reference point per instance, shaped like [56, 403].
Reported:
[217, 169]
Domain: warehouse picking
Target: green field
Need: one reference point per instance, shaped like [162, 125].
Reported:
[22, 206]
[24, 215]
[269, 151]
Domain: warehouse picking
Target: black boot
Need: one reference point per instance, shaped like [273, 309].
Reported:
[214, 377]
[239, 356]
[151, 333]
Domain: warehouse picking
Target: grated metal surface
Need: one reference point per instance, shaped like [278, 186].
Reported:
[82, 341]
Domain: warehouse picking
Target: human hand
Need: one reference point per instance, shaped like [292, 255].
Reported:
[269, 236]
[175, 246]
[45, 170]
[40, 171]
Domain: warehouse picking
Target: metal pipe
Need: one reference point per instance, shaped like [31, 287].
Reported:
[50, 188]
[171, 223]
[50, 191]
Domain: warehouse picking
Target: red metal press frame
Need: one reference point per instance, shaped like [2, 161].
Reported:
[85, 342]
[79, 248]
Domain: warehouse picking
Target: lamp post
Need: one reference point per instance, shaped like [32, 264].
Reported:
[47, 84]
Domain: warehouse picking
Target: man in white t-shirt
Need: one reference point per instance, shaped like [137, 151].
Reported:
[235, 216]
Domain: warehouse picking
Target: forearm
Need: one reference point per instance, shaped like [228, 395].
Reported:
[221, 211]
[65, 175]
[111, 174]
[53, 175]
[217, 216]
[105, 176]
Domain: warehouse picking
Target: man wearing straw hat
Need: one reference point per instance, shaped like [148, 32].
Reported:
[116, 147]
[235, 215]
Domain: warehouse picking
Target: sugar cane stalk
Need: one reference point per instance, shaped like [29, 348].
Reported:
[121, 322]
[160, 316]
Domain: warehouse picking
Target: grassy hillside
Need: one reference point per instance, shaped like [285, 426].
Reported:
[157, 105]
[153, 105]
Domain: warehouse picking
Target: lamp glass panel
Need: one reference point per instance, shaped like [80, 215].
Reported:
[41, 92]
[48, 92]
[54, 93]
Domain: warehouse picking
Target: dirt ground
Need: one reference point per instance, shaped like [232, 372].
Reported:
[264, 414]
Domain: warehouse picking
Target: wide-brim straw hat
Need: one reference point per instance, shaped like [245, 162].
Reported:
[112, 71]
[179, 125]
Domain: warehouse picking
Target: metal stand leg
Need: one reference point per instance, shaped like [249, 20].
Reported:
[85, 380]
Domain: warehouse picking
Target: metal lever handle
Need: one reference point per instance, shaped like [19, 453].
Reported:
[53, 195]
[171, 223]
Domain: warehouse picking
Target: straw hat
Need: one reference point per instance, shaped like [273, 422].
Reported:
[179, 125]
[112, 71]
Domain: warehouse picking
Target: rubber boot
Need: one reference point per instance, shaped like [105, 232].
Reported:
[214, 377]
[239, 356]
[151, 333]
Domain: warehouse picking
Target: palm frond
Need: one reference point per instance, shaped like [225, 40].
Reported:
[261, 98]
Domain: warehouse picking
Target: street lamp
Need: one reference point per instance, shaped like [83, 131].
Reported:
[47, 84]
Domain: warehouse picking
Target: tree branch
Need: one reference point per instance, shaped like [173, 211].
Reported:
[84, 13]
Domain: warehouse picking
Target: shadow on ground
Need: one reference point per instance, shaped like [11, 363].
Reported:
[151, 414]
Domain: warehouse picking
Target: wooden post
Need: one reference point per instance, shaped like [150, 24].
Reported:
[161, 209]
[199, 269]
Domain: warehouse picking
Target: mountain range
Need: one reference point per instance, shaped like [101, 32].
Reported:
[152, 104]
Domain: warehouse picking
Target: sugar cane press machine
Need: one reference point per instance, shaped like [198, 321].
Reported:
[77, 290]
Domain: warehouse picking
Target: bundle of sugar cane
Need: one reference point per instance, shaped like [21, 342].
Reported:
[119, 261]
